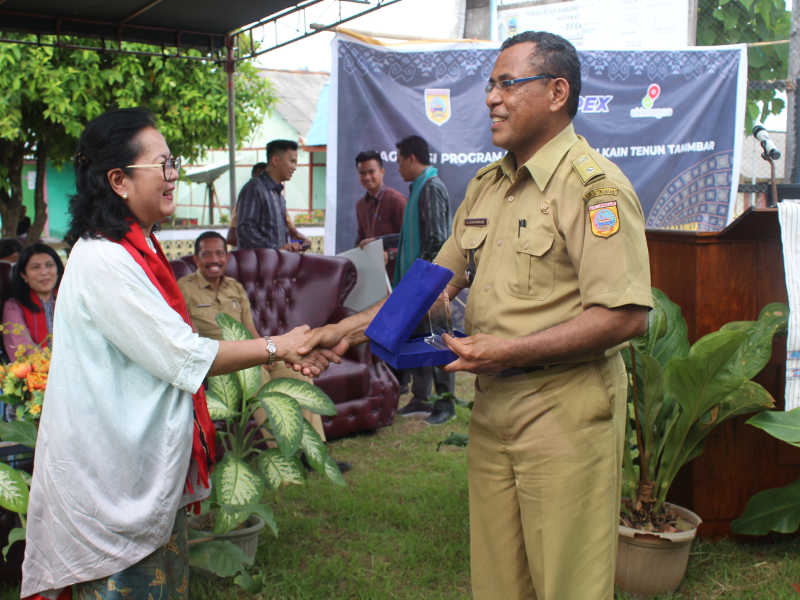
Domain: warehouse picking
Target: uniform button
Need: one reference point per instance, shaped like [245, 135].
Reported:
[499, 242]
[510, 198]
[487, 288]
[526, 245]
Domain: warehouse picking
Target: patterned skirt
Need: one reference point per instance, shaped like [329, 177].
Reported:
[163, 575]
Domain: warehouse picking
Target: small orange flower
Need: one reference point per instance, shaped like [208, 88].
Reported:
[36, 381]
[20, 370]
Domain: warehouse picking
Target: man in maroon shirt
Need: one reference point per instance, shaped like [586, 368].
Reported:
[380, 211]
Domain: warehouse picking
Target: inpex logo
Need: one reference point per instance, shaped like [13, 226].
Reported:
[594, 104]
[647, 110]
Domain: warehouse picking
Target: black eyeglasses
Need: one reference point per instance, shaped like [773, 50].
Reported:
[169, 165]
[505, 84]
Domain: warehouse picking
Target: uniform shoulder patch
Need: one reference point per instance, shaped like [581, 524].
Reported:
[587, 169]
[604, 218]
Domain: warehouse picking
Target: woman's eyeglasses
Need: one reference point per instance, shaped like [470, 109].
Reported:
[168, 166]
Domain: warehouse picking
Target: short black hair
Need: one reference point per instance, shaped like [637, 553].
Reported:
[278, 146]
[554, 55]
[108, 142]
[414, 145]
[20, 290]
[206, 235]
[258, 169]
[368, 155]
[9, 246]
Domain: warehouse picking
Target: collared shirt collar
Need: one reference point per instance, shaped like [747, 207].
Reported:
[206, 283]
[544, 163]
[271, 183]
[377, 196]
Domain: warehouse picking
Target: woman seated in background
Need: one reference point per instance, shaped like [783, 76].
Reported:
[28, 313]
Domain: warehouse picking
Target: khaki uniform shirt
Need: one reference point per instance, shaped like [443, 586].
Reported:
[204, 303]
[563, 232]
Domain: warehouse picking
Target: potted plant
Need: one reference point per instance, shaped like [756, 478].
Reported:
[677, 395]
[774, 509]
[251, 471]
[23, 384]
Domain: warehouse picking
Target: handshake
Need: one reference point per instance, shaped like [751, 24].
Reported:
[310, 351]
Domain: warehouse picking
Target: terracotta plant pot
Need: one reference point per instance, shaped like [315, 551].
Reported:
[654, 563]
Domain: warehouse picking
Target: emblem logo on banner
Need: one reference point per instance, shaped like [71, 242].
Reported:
[437, 105]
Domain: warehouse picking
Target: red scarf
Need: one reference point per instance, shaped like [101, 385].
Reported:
[35, 321]
[160, 273]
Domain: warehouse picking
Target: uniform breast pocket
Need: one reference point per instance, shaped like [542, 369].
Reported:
[535, 271]
[472, 242]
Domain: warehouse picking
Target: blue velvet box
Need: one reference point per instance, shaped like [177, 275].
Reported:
[391, 329]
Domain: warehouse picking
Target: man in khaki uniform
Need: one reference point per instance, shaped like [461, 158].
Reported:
[550, 239]
[208, 292]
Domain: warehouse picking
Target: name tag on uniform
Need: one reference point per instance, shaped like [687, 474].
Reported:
[203, 306]
[475, 222]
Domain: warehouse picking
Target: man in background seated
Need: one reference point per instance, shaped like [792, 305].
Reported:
[208, 292]
[380, 210]
[262, 220]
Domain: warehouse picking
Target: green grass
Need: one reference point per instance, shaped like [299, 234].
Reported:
[399, 530]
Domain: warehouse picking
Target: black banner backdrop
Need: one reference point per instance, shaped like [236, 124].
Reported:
[672, 120]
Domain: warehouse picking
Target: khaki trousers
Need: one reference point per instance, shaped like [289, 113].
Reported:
[545, 459]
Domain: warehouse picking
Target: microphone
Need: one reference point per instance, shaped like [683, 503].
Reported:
[770, 151]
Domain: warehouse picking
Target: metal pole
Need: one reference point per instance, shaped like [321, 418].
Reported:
[792, 153]
[692, 37]
[230, 67]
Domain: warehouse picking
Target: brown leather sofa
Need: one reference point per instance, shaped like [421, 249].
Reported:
[287, 289]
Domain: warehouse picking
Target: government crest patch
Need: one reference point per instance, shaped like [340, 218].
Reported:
[604, 218]
[437, 105]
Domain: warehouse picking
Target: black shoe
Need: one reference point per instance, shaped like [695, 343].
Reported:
[415, 407]
[344, 467]
[443, 410]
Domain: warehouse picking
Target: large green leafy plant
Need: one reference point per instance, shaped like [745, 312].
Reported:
[249, 470]
[255, 466]
[775, 509]
[678, 394]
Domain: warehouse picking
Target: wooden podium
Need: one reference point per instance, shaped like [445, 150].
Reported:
[718, 277]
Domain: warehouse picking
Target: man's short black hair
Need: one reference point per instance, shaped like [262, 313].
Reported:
[414, 145]
[278, 146]
[554, 55]
[258, 169]
[207, 235]
[368, 155]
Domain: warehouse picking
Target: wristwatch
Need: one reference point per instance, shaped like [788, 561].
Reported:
[272, 350]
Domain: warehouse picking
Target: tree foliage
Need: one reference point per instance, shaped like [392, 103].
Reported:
[51, 93]
[734, 21]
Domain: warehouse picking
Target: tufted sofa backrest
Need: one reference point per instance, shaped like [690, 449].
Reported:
[287, 289]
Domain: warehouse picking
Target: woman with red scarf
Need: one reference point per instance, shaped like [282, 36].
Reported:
[28, 313]
[125, 442]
